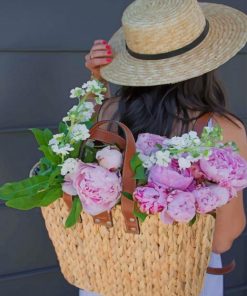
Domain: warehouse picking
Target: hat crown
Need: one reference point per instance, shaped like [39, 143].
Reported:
[161, 26]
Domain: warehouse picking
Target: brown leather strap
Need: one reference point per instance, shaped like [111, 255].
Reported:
[223, 270]
[68, 200]
[129, 183]
[108, 137]
[201, 122]
[104, 218]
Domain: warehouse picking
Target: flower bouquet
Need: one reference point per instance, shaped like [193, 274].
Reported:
[185, 176]
[119, 182]
[179, 177]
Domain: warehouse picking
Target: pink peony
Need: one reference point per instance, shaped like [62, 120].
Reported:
[110, 158]
[180, 207]
[151, 198]
[146, 143]
[211, 197]
[98, 188]
[67, 186]
[225, 167]
[169, 177]
[196, 171]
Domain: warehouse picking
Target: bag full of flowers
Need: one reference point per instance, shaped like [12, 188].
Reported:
[129, 217]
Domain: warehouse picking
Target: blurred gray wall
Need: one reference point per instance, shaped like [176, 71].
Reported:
[42, 49]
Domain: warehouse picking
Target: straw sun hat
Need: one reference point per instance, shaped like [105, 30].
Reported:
[167, 41]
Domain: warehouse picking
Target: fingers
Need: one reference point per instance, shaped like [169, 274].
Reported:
[97, 62]
[100, 41]
[99, 55]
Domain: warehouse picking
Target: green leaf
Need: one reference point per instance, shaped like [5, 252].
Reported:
[140, 215]
[128, 195]
[47, 135]
[74, 212]
[192, 221]
[26, 202]
[28, 187]
[135, 162]
[89, 123]
[50, 196]
[56, 175]
[89, 154]
[49, 154]
[45, 167]
[140, 173]
[76, 151]
[40, 199]
[159, 145]
[63, 128]
[42, 137]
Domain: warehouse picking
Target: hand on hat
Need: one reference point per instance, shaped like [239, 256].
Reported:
[99, 55]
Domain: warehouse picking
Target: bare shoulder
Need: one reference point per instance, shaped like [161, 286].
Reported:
[233, 130]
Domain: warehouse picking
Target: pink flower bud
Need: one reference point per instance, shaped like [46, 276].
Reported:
[110, 158]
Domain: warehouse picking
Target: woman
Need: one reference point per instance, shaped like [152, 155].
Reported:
[167, 72]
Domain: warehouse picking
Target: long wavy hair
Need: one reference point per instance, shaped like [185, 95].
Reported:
[157, 109]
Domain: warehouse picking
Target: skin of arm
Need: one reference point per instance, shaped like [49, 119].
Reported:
[230, 218]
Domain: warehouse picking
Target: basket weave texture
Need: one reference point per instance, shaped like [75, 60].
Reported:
[169, 260]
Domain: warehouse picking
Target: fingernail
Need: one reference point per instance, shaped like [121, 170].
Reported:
[108, 60]
[109, 52]
[104, 42]
[108, 46]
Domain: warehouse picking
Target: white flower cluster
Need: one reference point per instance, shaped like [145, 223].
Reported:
[77, 93]
[59, 146]
[75, 122]
[186, 149]
[80, 113]
[91, 87]
[68, 166]
[185, 141]
[79, 132]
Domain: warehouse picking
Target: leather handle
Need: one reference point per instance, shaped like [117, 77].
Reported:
[223, 270]
[129, 183]
[201, 122]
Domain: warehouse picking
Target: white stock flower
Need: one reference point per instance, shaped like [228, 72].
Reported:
[99, 99]
[56, 139]
[147, 161]
[62, 150]
[66, 118]
[68, 166]
[77, 93]
[58, 136]
[186, 140]
[79, 132]
[163, 158]
[85, 111]
[193, 134]
[197, 141]
[53, 142]
[184, 163]
[177, 142]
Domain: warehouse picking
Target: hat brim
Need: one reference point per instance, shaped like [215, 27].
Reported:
[227, 35]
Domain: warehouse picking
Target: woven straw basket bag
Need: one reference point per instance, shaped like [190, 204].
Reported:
[169, 260]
